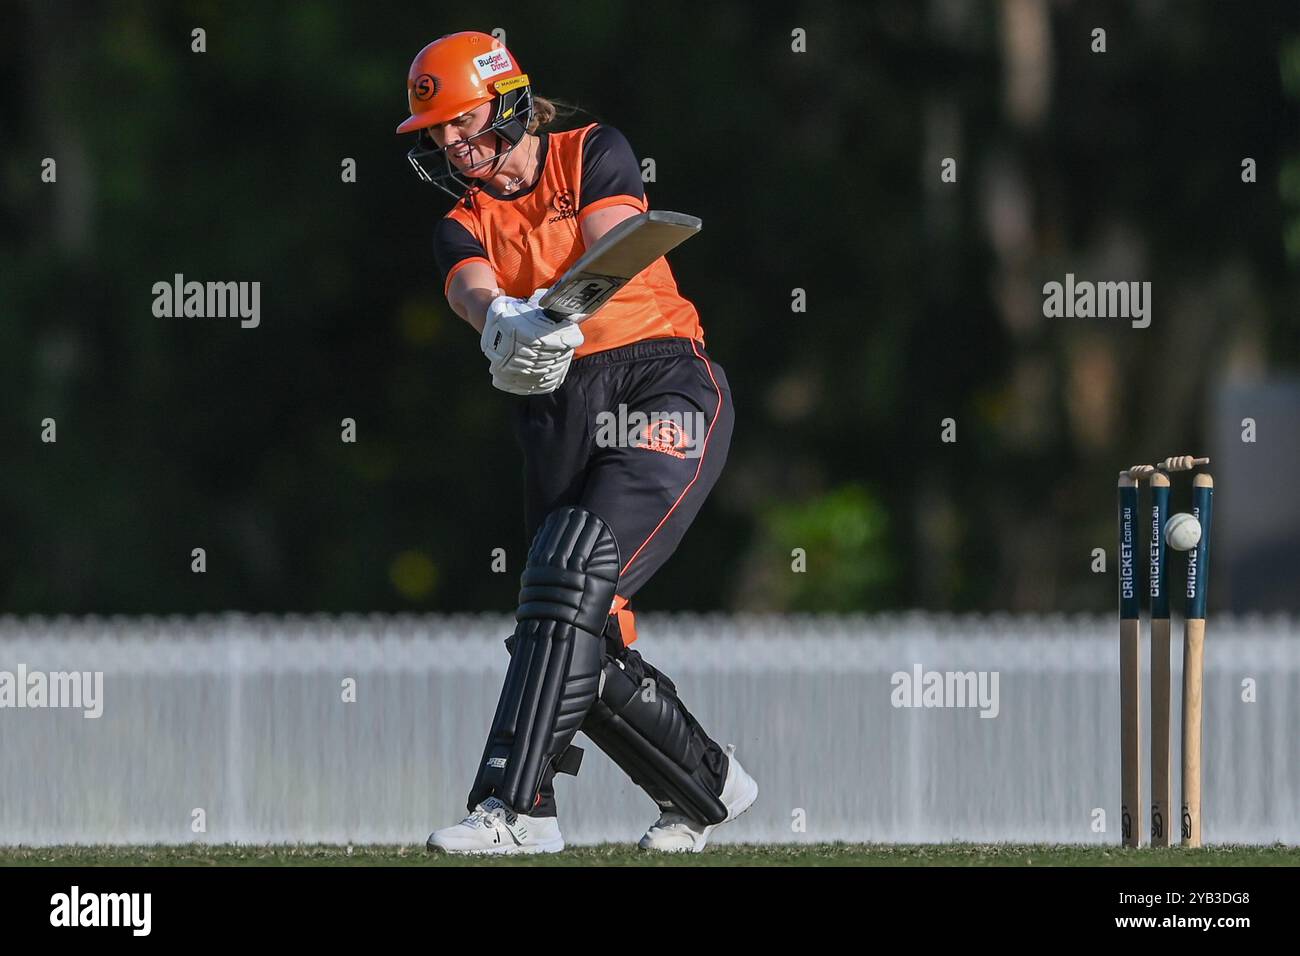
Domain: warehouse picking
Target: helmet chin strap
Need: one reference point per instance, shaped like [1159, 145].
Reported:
[501, 162]
[504, 149]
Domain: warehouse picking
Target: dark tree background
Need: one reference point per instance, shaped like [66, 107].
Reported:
[817, 171]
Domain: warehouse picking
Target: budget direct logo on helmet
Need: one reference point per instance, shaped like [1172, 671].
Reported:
[493, 64]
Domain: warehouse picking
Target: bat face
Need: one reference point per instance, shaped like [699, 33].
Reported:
[584, 293]
[620, 255]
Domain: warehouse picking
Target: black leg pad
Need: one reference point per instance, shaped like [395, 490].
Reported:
[641, 724]
[558, 650]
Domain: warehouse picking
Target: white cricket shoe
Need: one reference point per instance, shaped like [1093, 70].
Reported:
[493, 828]
[675, 833]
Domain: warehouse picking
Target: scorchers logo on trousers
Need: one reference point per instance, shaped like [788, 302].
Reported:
[679, 434]
[665, 436]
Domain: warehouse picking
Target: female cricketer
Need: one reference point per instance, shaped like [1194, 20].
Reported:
[624, 421]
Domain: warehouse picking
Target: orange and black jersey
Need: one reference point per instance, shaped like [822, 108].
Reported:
[531, 237]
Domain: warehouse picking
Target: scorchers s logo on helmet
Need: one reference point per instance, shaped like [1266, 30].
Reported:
[425, 87]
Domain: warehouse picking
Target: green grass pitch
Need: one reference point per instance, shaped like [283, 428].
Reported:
[822, 854]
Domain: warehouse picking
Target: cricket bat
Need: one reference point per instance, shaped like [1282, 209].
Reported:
[617, 257]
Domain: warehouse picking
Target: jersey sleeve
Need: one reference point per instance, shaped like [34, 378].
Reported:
[611, 175]
[453, 247]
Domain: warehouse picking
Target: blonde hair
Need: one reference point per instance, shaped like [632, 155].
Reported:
[547, 111]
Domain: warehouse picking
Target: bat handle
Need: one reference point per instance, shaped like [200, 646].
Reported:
[545, 301]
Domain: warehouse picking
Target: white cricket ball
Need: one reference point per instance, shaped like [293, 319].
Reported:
[1182, 532]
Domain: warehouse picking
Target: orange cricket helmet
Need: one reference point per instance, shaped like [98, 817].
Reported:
[455, 74]
[451, 76]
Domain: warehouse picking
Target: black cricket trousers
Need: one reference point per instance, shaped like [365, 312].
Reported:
[638, 435]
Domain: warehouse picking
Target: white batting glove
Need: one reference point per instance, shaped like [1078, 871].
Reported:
[545, 375]
[518, 336]
[531, 383]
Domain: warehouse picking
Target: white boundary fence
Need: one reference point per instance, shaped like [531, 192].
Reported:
[243, 718]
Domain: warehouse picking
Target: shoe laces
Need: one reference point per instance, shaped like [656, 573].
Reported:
[668, 821]
[490, 812]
